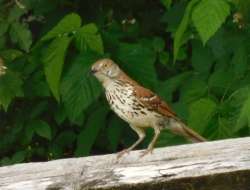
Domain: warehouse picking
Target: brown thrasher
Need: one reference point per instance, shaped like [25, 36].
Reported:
[138, 106]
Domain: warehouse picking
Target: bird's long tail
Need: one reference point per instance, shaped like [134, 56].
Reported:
[179, 128]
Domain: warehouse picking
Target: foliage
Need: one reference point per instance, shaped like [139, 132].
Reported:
[194, 54]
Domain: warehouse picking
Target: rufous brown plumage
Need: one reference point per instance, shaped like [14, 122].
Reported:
[138, 106]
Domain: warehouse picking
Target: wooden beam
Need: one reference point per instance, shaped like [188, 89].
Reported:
[214, 165]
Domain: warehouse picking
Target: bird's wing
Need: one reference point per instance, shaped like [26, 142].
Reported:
[152, 101]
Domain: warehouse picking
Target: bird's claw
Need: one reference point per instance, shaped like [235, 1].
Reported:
[121, 153]
[145, 152]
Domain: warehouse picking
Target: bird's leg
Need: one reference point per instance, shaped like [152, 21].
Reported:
[152, 143]
[141, 134]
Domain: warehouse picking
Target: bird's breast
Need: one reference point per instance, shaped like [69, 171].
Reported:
[126, 105]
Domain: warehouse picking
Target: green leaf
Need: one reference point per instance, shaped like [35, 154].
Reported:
[244, 116]
[179, 34]
[134, 57]
[166, 3]
[88, 37]
[220, 80]
[240, 61]
[3, 27]
[43, 7]
[202, 58]
[88, 135]
[79, 89]
[232, 107]
[3, 40]
[174, 16]
[18, 157]
[5, 161]
[21, 34]
[70, 23]
[66, 138]
[41, 128]
[55, 152]
[208, 16]
[38, 109]
[200, 114]
[15, 13]
[218, 45]
[10, 87]
[29, 132]
[181, 108]
[53, 60]
[36, 86]
[164, 58]
[60, 115]
[167, 88]
[158, 44]
[183, 53]
[193, 89]
[10, 55]
[76, 120]
[114, 132]
[167, 139]
[224, 129]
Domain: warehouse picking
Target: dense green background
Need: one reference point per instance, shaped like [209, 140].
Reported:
[194, 54]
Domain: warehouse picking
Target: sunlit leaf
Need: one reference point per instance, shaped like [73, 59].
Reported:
[53, 60]
[88, 37]
[70, 23]
[208, 16]
[178, 37]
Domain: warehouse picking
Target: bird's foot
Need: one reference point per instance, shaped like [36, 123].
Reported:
[121, 153]
[145, 152]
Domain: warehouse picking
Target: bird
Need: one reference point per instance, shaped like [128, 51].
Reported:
[138, 106]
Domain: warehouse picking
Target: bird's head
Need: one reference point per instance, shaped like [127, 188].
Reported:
[105, 70]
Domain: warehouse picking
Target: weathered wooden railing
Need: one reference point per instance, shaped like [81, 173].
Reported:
[223, 165]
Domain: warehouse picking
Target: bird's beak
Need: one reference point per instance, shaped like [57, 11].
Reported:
[92, 71]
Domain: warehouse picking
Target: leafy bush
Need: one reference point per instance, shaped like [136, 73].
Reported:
[194, 54]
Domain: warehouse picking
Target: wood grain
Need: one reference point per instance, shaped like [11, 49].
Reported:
[214, 165]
